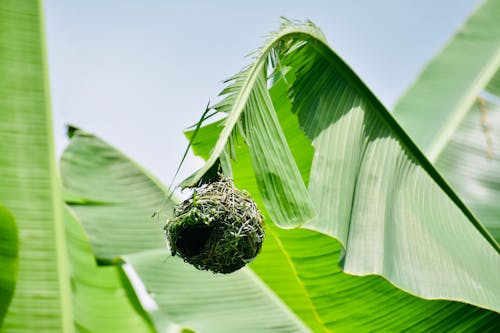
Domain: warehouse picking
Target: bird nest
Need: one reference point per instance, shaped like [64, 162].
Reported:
[218, 228]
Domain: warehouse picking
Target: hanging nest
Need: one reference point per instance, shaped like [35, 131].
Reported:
[219, 228]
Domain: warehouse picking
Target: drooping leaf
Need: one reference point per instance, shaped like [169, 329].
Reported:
[300, 267]
[456, 128]
[29, 187]
[114, 197]
[382, 199]
[247, 97]
[280, 182]
[8, 259]
[372, 187]
[101, 301]
[187, 298]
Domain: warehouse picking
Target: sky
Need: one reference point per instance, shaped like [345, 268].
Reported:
[137, 73]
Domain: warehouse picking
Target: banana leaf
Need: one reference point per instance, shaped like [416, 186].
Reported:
[29, 184]
[103, 299]
[434, 106]
[297, 265]
[451, 111]
[110, 202]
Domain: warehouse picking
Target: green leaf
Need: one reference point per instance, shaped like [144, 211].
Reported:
[102, 302]
[280, 181]
[207, 302]
[433, 107]
[456, 130]
[186, 297]
[113, 196]
[300, 267]
[374, 190]
[29, 187]
[9, 259]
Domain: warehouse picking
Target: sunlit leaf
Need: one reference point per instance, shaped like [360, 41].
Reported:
[300, 266]
[246, 96]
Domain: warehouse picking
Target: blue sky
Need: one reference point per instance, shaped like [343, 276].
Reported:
[137, 73]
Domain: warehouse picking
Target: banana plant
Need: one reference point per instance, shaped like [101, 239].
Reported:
[299, 265]
[344, 190]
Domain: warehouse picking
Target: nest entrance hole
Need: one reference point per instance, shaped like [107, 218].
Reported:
[192, 239]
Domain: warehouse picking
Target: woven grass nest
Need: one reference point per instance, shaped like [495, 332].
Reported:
[218, 228]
